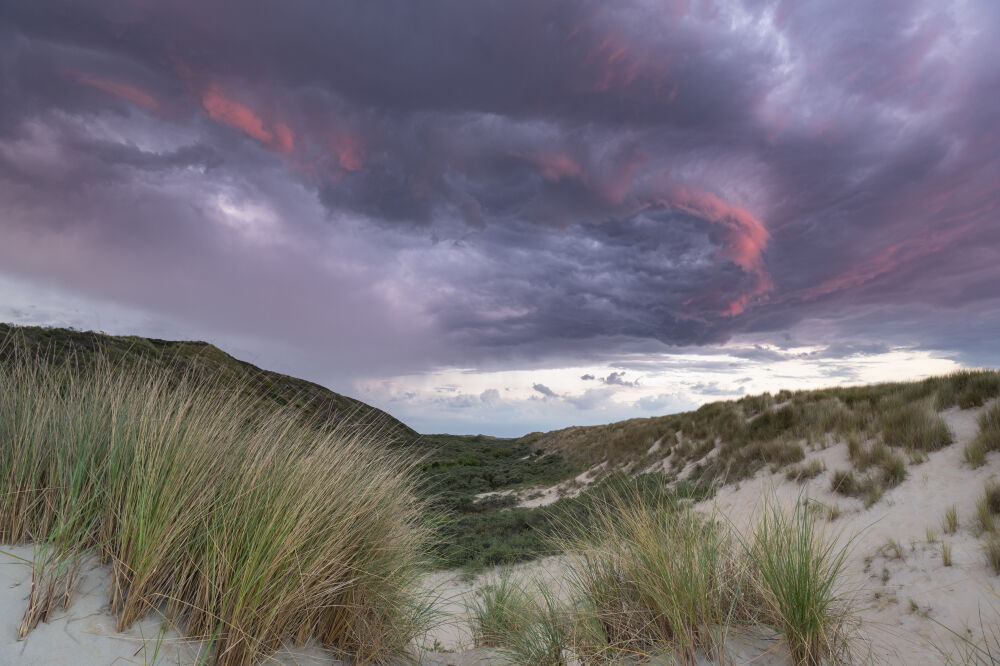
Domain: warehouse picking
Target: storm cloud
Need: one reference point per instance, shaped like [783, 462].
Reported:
[397, 186]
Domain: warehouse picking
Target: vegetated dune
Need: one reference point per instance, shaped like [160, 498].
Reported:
[852, 524]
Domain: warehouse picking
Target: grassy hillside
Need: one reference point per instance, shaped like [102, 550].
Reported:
[734, 438]
[312, 400]
[450, 471]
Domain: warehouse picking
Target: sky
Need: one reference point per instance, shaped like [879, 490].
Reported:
[505, 216]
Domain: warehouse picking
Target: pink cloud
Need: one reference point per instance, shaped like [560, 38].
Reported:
[229, 111]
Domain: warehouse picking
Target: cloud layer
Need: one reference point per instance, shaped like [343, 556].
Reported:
[388, 187]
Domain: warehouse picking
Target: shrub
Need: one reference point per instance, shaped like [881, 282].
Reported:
[243, 521]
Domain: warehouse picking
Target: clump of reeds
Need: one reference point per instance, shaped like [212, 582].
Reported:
[243, 524]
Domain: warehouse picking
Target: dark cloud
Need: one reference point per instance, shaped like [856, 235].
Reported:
[587, 377]
[457, 183]
[544, 390]
[618, 379]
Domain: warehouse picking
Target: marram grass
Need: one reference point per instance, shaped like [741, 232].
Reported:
[244, 525]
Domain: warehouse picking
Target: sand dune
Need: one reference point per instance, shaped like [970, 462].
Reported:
[906, 599]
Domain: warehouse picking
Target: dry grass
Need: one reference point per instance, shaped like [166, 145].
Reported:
[987, 508]
[949, 522]
[988, 439]
[244, 525]
[654, 578]
[802, 473]
[992, 550]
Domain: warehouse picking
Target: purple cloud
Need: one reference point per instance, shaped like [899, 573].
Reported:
[551, 182]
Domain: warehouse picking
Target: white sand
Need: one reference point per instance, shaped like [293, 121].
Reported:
[950, 596]
[903, 603]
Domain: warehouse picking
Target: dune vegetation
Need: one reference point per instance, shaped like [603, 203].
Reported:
[242, 523]
[644, 580]
[252, 511]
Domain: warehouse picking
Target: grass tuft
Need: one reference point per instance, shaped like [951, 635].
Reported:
[499, 610]
[650, 577]
[949, 522]
[985, 521]
[804, 472]
[243, 521]
[992, 550]
[975, 453]
[913, 426]
[946, 554]
[798, 573]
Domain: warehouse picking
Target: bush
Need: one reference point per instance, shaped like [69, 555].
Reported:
[243, 521]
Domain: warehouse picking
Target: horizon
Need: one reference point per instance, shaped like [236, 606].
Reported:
[503, 218]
